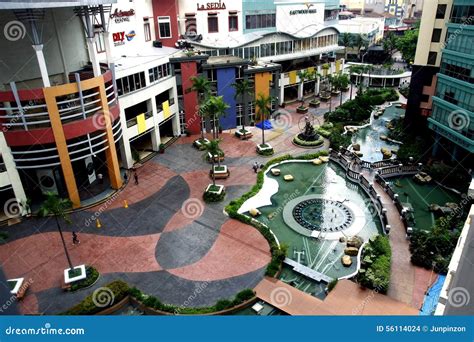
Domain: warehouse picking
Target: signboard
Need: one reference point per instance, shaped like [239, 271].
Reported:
[120, 16]
[211, 6]
[118, 38]
[308, 10]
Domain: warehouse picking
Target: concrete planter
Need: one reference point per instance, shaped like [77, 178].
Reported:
[243, 136]
[220, 174]
[82, 275]
[302, 110]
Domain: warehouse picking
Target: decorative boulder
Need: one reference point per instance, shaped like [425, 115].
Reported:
[346, 261]
[383, 137]
[324, 159]
[317, 161]
[288, 178]
[356, 147]
[276, 172]
[352, 251]
[387, 154]
[422, 178]
[355, 241]
[359, 154]
[342, 239]
[254, 212]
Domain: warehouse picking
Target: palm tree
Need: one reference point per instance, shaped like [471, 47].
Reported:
[346, 41]
[342, 83]
[303, 75]
[213, 149]
[360, 42]
[263, 104]
[242, 89]
[56, 206]
[202, 86]
[214, 108]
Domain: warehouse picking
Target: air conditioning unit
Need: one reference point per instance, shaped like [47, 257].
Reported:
[157, 44]
[46, 181]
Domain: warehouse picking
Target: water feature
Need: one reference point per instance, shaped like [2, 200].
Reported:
[320, 249]
[369, 137]
[418, 198]
[432, 297]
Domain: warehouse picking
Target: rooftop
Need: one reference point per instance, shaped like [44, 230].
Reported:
[144, 56]
[27, 4]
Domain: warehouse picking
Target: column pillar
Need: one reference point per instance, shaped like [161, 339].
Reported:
[110, 153]
[155, 132]
[108, 47]
[12, 171]
[93, 56]
[42, 65]
[61, 146]
[282, 89]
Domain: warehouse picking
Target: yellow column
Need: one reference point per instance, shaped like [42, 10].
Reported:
[110, 153]
[262, 84]
[61, 145]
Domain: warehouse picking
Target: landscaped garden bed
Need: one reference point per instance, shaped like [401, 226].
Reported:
[265, 149]
[201, 143]
[243, 134]
[314, 103]
[309, 144]
[375, 264]
[92, 275]
[302, 109]
[214, 193]
[220, 172]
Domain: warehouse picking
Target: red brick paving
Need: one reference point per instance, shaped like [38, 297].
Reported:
[423, 280]
[347, 298]
[41, 257]
[238, 250]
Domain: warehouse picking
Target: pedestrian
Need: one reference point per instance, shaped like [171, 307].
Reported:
[255, 167]
[135, 176]
[75, 239]
[125, 176]
[261, 166]
[101, 178]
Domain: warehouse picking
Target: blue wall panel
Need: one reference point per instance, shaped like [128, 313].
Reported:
[225, 79]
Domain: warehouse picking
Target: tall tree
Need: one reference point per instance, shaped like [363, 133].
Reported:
[346, 41]
[213, 149]
[360, 42]
[263, 105]
[57, 207]
[214, 108]
[303, 75]
[202, 86]
[242, 90]
[406, 44]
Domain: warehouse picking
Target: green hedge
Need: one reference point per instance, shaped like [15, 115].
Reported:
[223, 304]
[120, 290]
[91, 277]
[278, 253]
[268, 152]
[375, 264]
[211, 197]
[305, 143]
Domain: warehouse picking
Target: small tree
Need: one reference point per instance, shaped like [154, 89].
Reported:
[56, 207]
[213, 149]
[346, 41]
[342, 83]
[202, 86]
[263, 104]
[242, 90]
[303, 76]
[214, 108]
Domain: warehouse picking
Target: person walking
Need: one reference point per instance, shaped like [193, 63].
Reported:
[75, 239]
[255, 167]
[135, 176]
[100, 176]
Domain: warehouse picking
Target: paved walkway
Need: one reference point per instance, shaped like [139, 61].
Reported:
[347, 298]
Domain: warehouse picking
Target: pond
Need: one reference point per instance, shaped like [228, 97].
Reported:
[337, 209]
[369, 137]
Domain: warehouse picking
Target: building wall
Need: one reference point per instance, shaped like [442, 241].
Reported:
[255, 7]
[167, 8]
[293, 17]
[202, 14]
[225, 80]
[190, 98]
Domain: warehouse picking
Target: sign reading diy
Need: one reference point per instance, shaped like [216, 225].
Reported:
[118, 38]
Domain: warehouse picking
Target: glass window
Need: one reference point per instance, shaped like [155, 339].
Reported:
[164, 25]
[146, 28]
[233, 23]
[441, 11]
[436, 37]
[432, 56]
[212, 24]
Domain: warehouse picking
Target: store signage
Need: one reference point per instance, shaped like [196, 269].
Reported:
[306, 11]
[118, 38]
[130, 35]
[211, 6]
[121, 16]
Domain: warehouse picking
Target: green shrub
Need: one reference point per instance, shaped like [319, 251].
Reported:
[375, 264]
[267, 152]
[3, 237]
[332, 285]
[119, 289]
[305, 143]
[211, 197]
[91, 277]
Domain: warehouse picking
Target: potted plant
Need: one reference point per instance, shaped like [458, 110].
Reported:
[162, 148]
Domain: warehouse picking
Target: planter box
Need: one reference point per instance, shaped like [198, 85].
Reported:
[314, 104]
[241, 135]
[302, 110]
[82, 275]
[335, 92]
[325, 98]
[220, 174]
[218, 192]
[265, 150]
[216, 158]
[199, 144]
